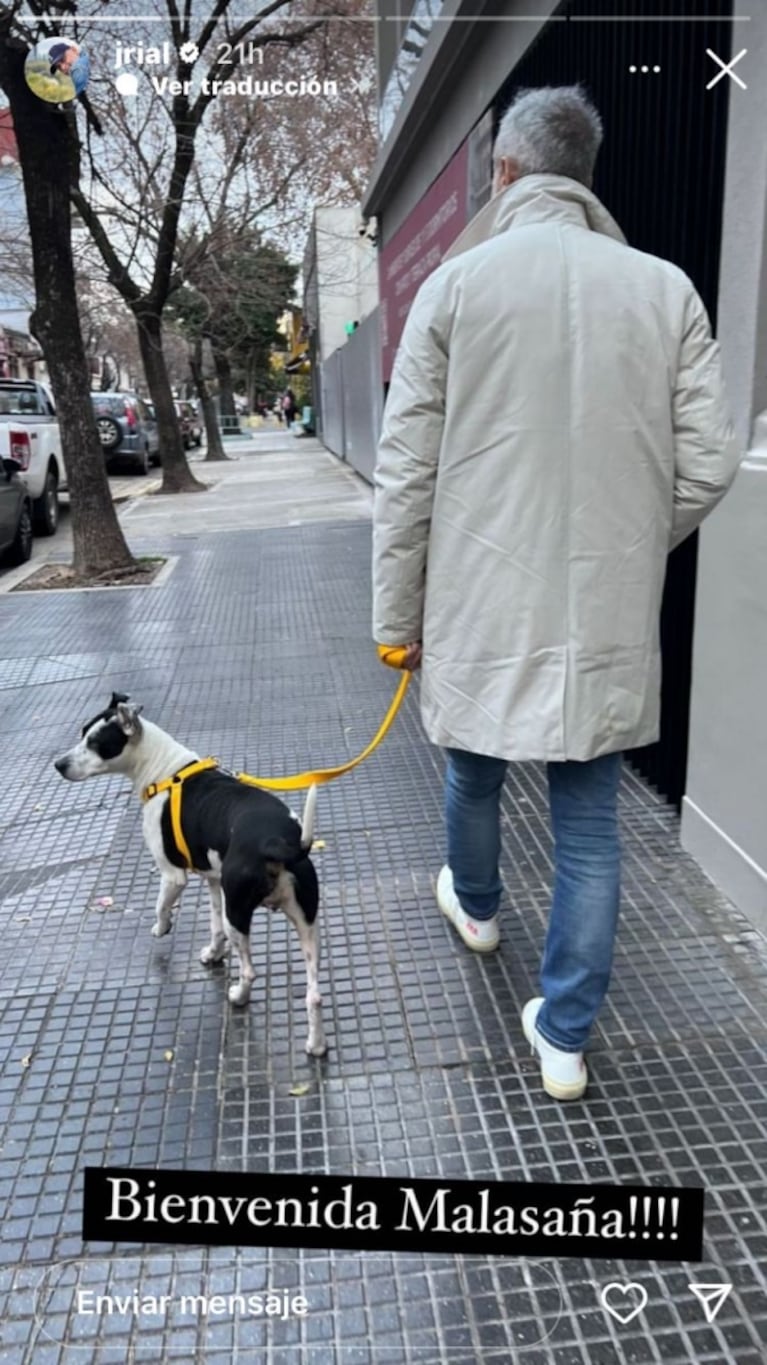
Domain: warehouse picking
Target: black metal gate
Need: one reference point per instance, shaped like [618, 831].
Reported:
[661, 175]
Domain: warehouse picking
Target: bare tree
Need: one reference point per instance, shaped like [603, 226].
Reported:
[263, 166]
[47, 146]
[146, 269]
[109, 334]
[271, 161]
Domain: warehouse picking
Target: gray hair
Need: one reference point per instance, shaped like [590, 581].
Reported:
[554, 131]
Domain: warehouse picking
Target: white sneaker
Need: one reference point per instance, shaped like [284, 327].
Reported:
[564, 1074]
[481, 935]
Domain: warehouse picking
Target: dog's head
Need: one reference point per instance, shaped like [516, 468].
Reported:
[107, 744]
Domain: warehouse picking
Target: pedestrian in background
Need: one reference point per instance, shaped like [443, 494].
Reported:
[289, 407]
[556, 424]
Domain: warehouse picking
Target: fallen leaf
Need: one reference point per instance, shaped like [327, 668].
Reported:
[23, 919]
[169, 1055]
[318, 843]
[25, 1061]
[302, 1089]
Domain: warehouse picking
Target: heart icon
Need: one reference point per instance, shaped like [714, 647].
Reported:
[623, 1301]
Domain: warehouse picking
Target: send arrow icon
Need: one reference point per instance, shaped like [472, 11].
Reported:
[711, 1296]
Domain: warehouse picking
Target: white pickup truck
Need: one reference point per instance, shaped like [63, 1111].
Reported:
[29, 434]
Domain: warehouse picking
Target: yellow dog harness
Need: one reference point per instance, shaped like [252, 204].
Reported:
[175, 785]
[394, 657]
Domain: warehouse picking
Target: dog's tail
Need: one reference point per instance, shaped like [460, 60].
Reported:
[307, 819]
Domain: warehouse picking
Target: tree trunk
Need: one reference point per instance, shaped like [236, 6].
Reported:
[45, 145]
[224, 377]
[251, 390]
[177, 477]
[215, 449]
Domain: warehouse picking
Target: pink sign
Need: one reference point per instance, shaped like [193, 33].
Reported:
[417, 248]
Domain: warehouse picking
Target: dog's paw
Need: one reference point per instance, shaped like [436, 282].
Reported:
[161, 927]
[211, 953]
[316, 1047]
[239, 994]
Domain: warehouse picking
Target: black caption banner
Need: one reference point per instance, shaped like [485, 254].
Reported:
[470, 1217]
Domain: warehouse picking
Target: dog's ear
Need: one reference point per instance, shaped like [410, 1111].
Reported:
[108, 713]
[128, 718]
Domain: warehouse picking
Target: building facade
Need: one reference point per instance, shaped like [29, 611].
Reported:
[340, 304]
[20, 354]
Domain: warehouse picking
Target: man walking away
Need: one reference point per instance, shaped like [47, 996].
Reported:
[556, 424]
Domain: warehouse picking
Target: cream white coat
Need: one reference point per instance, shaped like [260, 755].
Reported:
[556, 423]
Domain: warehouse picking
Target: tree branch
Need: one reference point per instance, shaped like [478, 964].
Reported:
[117, 272]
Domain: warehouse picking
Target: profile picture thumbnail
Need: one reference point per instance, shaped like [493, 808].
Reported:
[57, 70]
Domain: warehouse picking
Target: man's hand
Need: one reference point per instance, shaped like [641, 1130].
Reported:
[413, 657]
[406, 657]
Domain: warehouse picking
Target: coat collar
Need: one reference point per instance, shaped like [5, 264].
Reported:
[537, 199]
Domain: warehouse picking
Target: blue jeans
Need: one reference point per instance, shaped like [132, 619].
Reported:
[584, 914]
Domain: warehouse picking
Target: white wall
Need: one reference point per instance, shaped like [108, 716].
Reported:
[724, 814]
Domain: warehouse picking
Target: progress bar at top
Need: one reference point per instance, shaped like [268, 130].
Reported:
[656, 18]
[563, 18]
[85, 19]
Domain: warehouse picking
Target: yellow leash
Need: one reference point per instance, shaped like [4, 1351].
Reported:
[394, 657]
[388, 655]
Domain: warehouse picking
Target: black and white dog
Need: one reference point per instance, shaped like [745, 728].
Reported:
[242, 840]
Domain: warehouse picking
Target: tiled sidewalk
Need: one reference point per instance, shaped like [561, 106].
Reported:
[257, 649]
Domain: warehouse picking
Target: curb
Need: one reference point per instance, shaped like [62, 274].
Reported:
[128, 496]
[16, 576]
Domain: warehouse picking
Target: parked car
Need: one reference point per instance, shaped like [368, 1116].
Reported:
[15, 514]
[126, 430]
[29, 434]
[188, 420]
